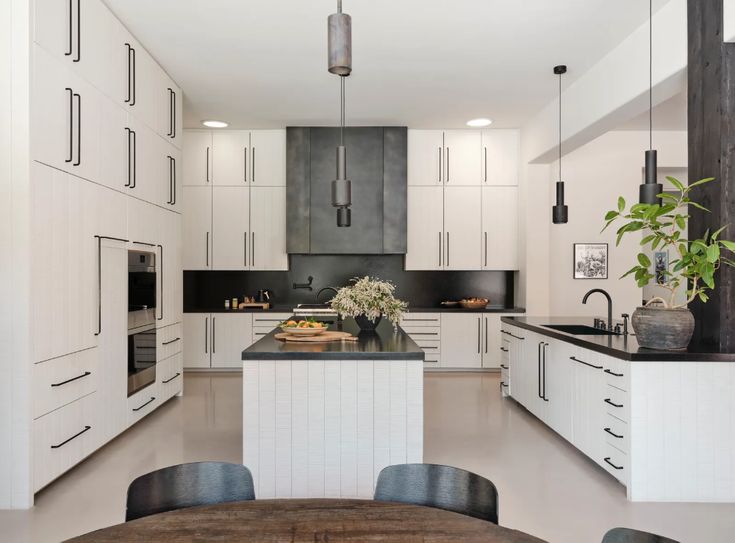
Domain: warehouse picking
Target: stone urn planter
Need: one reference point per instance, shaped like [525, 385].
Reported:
[663, 329]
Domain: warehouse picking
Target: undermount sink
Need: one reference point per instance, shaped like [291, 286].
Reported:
[579, 329]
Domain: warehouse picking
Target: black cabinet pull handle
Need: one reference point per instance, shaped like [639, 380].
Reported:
[214, 335]
[82, 376]
[172, 378]
[544, 392]
[447, 164]
[538, 366]
[503, 385]
[127, 132]
[170, 200]
[86, 429]
[504, 349]
[440, 164]
[71, 125]
[478, 335]
[145, 243]
[174, 202]
[71, 29]
[79, 129]
[607, 401]
[99, 278]
[585, 363]
[504, 366]
[244, 164]
[206, 335]
[607, 459]
[127, 98]
[486, 335]
[162, 283]
[485, 151]
[153, 398]
[207, 166]
[79, 33]
[133, 78]
[609, 431]
[174, 108]
[613, 373]
[135, 159]
[172, 341]
[170, 113]
[252, 177]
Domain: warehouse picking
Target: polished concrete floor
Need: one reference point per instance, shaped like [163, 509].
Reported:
[546, 487]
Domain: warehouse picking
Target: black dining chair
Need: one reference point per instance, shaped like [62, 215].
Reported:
[443, 487]
[628, 535]
[188, 485]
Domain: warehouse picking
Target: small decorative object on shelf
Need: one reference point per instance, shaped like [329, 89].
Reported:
[661, 323]
[367, 301]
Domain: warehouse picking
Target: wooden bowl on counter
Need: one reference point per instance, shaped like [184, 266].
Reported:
[474, 303]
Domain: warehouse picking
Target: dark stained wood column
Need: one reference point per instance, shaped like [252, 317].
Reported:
[711, 102]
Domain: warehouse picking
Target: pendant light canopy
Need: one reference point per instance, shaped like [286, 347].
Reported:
[651, 188]
[340, 63]
[560, 212]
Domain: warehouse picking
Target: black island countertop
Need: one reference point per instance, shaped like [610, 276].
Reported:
[288, 308]
[386, 343]
[618, 346]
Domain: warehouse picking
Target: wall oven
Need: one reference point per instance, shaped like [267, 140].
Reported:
[141, 320]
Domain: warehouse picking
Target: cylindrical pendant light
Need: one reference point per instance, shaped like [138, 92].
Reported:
[560, 212]
[340, 63]
[651, 188]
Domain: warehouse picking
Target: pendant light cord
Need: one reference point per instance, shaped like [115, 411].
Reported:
[342, 110]
[560, 127]
[650, 74]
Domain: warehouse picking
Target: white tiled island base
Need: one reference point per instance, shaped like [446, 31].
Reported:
[325, 428]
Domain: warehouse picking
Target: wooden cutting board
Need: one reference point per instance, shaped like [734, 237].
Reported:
[324, 337]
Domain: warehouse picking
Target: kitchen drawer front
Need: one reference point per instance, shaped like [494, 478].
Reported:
[169, 341]
[616, 403]
[143, 402]
[63, 438]
[616, 372]
[615, 462]
[410, 320]
[428, 345]
[616, 433]
[427, 332]
[63, 380]
[269, 320]
[431, 360]
[170, 376]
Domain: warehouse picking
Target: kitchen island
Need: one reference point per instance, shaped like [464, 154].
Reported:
[661, 422]
[322, 419]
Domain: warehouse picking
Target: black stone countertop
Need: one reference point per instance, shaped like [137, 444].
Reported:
[618, 346]
[285, 308]
[386, 343]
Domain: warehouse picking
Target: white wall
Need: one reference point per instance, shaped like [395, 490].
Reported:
[729, 13]
[595, 175]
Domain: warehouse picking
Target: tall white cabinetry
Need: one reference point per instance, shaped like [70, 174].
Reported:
[462, 200]
[235, 200]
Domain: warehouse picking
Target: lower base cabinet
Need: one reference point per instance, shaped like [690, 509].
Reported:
[216, 340]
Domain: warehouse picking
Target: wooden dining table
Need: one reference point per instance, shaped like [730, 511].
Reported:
[312, 520]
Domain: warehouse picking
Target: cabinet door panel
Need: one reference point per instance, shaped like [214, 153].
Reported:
[231, 335]
[500, 155]
[268, 228]
[500, 228]
[461, 340]
[425, 157]
[491, 353]
[425, 228]
[147, 78]
[230, 228]
[231, 158]
[196, 334]
[267, 158]
[197, 158]
[168, 123]
[51, 27]
[462, 228]
[197, 217]
[462, 158]
[171, 283]
[558, 387]
[113, 145]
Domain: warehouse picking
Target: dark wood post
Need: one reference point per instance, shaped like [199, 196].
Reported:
[711, 77]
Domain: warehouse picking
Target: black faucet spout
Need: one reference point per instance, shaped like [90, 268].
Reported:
[609, 305]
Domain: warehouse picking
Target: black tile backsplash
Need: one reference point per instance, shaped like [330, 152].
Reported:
[204, 290]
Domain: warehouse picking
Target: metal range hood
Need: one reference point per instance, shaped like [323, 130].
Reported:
[378, 171]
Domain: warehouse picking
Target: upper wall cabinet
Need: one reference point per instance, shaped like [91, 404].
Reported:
[449, 157]
[197, 158]
[500, 228]
[500, 157]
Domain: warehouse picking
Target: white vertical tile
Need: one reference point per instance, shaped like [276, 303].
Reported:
[348, 429]
[365, 400]
[316, 429]
[705, 455]
[398, 412]
[414, 411]
[283, 429]
[688, 399]
[381, 415]
[300, 428]
[250, 418]
[267, 420]
[332, 437]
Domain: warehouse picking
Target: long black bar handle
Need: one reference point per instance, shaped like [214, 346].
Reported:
[174, 202]
[538, 365]
[485, 151]
[174, 108]
[585, 363]
[607, 459]
[214, 335]
[82, 376]
[504, 367]
[134, 91]
[609, 431]
[86, 429]
[79, 32]
[172, 378]
[544, 395]
[162, 283]
[145, 243]
[252, 152]
[170, 180]
[129, 96]
[478, 335]
[170, 132]
[609, 402]
[172, 341]
[153, 398]
[486, 338]
[70, 157]
[135, 159]
[206, 335]
[613, 373]
[79, 130]
[127, 135]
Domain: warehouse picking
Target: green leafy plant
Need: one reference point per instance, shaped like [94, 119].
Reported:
[664, 226]
[370, 297]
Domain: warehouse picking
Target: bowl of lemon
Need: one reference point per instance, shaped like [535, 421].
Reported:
[303, 328]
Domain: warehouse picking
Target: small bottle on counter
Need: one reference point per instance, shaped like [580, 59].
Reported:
[227, 304]
[234, 304]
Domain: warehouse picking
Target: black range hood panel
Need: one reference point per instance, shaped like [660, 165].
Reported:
[377, 167]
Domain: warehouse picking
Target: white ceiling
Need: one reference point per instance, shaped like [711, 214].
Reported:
[421, 63]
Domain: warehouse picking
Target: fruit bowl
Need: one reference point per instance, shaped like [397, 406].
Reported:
[303, 332]
[474, 303]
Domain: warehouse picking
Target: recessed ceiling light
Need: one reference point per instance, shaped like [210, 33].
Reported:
[479, 122]
[215, 124]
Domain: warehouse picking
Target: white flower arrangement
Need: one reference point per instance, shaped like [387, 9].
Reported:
[370, 297]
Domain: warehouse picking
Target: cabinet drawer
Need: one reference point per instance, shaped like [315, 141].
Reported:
[63, 438]
[169, 340]
[616, 372]
[431, 360]
[269, 320]
[616, 432]
[420, 319]
[428, 345]
[143, 402]
[170, 376]
[63, 380]
[615, 462]
[616, 402]
[427, 332]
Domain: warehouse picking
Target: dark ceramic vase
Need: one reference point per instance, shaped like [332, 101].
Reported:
[663, 329]
[365, 324]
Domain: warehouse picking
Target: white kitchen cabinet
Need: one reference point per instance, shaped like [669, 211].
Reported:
[425, 157]
[143, 82]
[500, 228]
[557, 379]
[267, 158]
[462, 226]
[500, 157]
[587, 407]
[265, 322]
[425, 228]
[462, 158]
[170, 269]
[425, 330]
[113, 150]
[231, 162]
[196, 332]
[250, 157]
[197, 217]
[169, 110]
[461, 340]
[197, 158]
[267, 228]
[230, 228]
[492, 354]
[216, 340]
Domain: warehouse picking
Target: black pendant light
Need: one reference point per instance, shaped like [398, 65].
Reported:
[560, 212]
[651, 188]
[340, 63]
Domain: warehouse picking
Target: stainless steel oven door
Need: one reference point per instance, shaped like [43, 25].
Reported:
[141, 358]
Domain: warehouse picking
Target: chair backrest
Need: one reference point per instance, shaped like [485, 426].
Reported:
[628, 535]
[443, 487]
[188, 485]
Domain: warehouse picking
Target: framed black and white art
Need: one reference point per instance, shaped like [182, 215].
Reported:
[590, 261]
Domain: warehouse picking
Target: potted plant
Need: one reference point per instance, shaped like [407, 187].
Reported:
[662, 323]
[367, 300]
